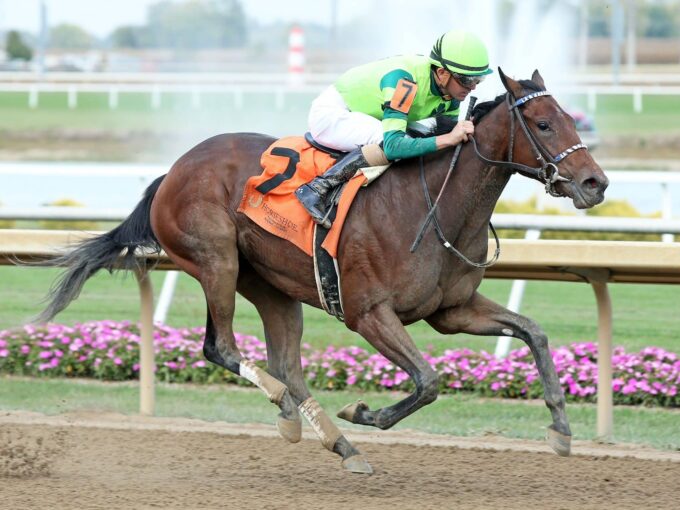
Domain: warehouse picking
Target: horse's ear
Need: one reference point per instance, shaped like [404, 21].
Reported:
[510, 85]
[538, 79]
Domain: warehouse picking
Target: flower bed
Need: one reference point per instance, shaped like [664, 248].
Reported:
[109, 350]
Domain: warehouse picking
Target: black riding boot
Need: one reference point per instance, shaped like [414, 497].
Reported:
[313, 194]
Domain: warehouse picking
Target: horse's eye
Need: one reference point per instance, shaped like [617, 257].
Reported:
[543, 125]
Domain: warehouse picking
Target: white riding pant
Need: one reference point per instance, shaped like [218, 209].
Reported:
[333, 125]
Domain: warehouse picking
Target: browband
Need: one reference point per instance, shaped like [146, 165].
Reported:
[525, 99]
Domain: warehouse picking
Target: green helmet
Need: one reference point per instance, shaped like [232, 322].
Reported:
[461, 52]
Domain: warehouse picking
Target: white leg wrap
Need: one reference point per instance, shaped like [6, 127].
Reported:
[320, 422]
[273, 388]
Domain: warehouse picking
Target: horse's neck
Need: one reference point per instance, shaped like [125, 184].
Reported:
[476, 186]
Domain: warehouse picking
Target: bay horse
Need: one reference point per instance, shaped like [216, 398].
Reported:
[191, 213]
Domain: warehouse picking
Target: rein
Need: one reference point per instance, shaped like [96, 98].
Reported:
[442, 238]
[547, 173]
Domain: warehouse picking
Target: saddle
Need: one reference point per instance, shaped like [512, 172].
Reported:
[334, 153]
[269, 200]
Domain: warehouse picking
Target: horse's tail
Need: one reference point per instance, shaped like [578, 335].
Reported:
[102, 252]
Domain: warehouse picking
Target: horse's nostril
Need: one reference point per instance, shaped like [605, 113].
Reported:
[591, 183]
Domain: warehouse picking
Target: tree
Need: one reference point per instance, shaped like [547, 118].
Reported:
[195, 24]
[70, 37]
[661, 21]
[130, 37]
[16, 48]
[599, 19]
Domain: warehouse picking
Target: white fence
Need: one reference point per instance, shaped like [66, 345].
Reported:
[140, 175]
[641, 78]
[198, 84]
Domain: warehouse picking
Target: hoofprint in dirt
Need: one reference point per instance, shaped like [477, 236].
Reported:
[107, 460]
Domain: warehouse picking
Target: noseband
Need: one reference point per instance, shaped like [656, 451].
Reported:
[547, 173]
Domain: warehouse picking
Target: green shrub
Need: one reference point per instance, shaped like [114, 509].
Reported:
[67, 225]
[618, 208]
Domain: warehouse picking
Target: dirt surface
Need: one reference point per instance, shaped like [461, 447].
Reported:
[114, 461]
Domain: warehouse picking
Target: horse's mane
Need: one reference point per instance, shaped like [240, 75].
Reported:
[483, 108]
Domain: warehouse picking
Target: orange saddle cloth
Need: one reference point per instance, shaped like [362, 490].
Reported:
[269, 198]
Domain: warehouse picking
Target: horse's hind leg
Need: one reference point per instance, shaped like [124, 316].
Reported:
[383, 329]
[282, 319]
[481, 316]
[218, 277]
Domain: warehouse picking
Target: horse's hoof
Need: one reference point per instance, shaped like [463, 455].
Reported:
[357, 464]
[559, 442]
[290, 430]
[349, 412]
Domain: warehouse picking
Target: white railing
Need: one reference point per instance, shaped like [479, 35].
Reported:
[580, 79]
[166, 78]
[156, 88]
[147, 172]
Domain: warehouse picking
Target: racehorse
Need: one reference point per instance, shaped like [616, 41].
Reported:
[191, 213]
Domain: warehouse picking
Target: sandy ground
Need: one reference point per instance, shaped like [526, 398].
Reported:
[114, 461]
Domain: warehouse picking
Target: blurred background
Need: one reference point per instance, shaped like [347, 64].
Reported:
[98, 97]
[93, 87]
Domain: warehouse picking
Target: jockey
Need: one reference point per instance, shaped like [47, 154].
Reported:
[366, 111]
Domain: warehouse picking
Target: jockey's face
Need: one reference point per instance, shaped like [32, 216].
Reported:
[450, 87]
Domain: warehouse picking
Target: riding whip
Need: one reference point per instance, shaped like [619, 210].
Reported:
[431, 214]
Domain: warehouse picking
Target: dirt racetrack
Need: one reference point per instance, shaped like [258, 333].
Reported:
[113, 461]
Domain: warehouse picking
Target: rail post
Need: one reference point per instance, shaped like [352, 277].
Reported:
[597, 278]
[146, 352]
[605, 399]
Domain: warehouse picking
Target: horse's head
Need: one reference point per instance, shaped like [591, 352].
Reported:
[544, 132]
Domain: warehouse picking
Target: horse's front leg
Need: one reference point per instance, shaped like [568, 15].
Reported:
[481, 316]
[384, 331]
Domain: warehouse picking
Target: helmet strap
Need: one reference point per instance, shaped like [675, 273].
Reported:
[441, 84]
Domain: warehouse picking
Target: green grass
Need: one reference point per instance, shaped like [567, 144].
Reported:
[259, 112]
[644, 315]
[614, 114]
[217, 113]
[460, 415]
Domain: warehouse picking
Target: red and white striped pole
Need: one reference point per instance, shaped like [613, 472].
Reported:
[296, 56]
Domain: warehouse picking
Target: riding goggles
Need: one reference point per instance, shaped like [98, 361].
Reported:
[468, 81]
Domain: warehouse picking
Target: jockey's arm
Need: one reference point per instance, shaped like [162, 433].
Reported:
[396, 143]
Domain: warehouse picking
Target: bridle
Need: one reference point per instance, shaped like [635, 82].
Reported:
[547, 173]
